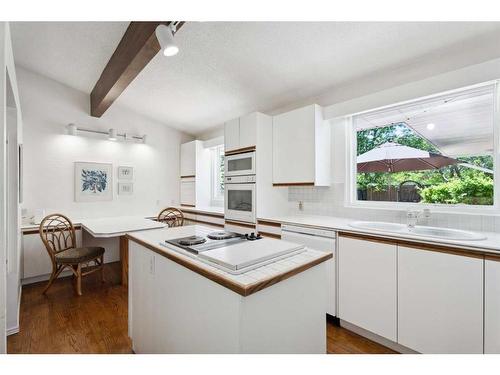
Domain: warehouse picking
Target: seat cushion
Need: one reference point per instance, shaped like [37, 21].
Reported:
[79, 254]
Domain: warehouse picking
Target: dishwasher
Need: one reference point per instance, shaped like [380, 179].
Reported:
[317, 239]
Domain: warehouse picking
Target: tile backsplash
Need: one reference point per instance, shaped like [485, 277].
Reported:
[329, 201]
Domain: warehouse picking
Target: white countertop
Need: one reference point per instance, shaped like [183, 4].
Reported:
[153, 238]
[490, 244]
[78, 221]
[203, 209]
[118, 226]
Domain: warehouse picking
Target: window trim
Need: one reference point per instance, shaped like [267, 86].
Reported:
[215, 199]
[351, 201]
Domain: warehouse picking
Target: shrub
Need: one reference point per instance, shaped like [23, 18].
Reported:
[476, 189]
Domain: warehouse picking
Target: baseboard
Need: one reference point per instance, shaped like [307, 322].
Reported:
[378, 339]
[40, 278]
[12, 330]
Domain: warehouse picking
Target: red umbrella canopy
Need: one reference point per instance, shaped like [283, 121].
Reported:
[393, 157]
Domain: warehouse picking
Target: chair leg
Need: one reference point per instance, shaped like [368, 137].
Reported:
[79, 279]
[102, 268]
[53, 276]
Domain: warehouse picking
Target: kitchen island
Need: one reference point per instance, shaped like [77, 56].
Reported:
[179, 303]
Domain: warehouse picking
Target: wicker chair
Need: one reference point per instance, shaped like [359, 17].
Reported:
[171, 216]
[58, 236]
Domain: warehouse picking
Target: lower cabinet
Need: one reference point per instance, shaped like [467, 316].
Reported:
[492, 306]
[440, 301]
[36, 260]
[367, 277]
[188, 192]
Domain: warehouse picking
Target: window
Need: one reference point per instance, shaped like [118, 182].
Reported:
[217, 173]
[437, 150]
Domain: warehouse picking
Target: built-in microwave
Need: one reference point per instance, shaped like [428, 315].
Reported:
[240, 164]
[239, 198]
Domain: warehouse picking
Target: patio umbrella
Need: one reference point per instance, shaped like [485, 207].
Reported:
[393, 157]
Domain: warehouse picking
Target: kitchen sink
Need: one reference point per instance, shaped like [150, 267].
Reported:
[452, 234]
[424, 231]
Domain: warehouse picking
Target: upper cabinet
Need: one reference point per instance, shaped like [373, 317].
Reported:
[188, 159]
[241, 133]
[301, 148]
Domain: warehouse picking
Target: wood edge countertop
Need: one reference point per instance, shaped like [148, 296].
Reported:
[243, 290]
[418, 245]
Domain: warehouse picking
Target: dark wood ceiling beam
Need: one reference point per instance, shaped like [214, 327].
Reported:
[136, 49]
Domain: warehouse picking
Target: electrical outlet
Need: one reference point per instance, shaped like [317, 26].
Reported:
[301, 206]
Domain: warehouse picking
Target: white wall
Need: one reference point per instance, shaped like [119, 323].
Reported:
[10, 129]
[49, 153]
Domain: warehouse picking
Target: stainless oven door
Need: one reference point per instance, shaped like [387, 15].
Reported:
[240, 164]
[240, 202]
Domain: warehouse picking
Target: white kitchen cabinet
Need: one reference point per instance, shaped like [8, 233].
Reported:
[36, 260]
[248, 130]
[195, 174]
[232, 135]
[241, 132]
[301, 148]
[440, 301]
[368, 285]
[188, 191]
[188, 159]
[492, 306]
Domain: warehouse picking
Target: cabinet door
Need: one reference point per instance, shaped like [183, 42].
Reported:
[294, 146]
[492, 307]
[248, 130]
[367, 285]
[440, 301]
[188, 192]
[232, 135]
[188, 159]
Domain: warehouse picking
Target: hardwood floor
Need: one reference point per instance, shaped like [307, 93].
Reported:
[61, 322]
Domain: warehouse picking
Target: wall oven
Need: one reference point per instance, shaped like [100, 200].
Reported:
[239, 199]
[240, 164]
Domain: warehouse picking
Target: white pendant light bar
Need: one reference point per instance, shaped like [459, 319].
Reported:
[111, 133]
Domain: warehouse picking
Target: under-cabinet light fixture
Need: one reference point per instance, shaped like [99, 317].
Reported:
[112, 135]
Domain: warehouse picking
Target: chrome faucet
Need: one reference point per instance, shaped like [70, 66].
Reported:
[412, 217]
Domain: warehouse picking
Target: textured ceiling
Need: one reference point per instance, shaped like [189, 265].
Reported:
[226, 69]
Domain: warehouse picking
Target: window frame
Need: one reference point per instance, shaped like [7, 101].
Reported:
[351, 172]
[216, 197]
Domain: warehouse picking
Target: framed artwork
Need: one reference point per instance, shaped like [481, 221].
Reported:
[125, 173]
[93, 182]
[125, 188]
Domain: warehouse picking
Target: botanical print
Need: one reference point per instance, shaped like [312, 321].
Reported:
[93, 182]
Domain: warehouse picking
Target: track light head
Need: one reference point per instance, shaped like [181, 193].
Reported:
[165, 36]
